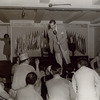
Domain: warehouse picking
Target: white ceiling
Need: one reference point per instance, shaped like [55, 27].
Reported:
[39, 10]
[86, 4]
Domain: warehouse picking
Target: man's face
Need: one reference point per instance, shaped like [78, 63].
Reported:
[52, 25]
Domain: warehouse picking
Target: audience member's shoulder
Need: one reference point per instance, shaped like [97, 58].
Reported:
[48, 81]
[39, 98]
[21, 90]
[67, 81]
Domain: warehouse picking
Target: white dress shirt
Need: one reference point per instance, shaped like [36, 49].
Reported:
[28, 93]
[85, 81]
[20, 75]
[59, 89]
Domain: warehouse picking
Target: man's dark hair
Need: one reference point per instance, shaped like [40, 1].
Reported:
[31, 78]
[83, 61]
[51, 21]
[56, 68]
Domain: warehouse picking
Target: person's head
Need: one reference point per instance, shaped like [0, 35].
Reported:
[31, 78]
[48, 70]
[24, 58]
[82, 62]
[6, 36]
[56, 69]
[52, 24]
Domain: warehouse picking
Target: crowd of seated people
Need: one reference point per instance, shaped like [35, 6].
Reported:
[39, 83]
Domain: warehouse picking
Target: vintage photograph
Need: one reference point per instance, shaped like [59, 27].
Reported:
[49, 50]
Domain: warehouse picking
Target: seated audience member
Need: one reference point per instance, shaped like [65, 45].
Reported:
[20, 74]
[85, 82]
[96, 60]
[45, 78]
[59, 88]
[28, 92]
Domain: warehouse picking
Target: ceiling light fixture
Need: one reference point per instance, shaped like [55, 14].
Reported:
[23, 13]
[51, 5]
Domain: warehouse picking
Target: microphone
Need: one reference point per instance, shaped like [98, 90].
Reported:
[55, 32]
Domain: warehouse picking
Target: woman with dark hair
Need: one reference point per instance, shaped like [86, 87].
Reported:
[6, 49]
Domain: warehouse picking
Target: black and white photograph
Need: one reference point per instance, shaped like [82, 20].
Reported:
[49, 49]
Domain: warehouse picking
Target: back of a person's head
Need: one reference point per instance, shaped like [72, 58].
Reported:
[83, 62]
[31, 78]
[56, 68]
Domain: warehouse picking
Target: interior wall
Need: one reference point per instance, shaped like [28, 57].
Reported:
[80, 32]
[97, 40]
[91, 42]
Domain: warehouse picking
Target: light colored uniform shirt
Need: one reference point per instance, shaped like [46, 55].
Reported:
[85, 82]
[20, 75]
[59, 89]
[28, 93]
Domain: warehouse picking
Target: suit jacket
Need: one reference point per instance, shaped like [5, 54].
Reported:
[61, 36]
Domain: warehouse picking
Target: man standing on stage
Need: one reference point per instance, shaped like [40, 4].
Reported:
[58, 42]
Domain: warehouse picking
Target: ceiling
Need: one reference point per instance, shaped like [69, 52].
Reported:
[38, 15]
[44, 10]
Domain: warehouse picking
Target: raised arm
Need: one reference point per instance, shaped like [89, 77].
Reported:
[93, 61]
[37, 66]
[2, 39]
